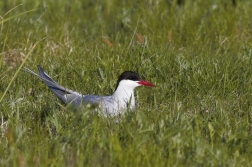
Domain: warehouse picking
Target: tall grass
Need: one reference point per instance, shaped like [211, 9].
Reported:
[198, 53]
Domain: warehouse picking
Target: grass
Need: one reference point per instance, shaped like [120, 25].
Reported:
[198, 53]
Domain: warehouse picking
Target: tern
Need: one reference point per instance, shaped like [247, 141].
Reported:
[115, 104]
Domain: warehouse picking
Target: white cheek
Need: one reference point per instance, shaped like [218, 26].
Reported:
[129, 83]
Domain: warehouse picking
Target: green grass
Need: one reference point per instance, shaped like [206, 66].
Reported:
[198, 115]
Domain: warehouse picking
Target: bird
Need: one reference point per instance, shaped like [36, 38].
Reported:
[112, 105]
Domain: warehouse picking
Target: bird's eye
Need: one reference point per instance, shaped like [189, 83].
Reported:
[130, 78]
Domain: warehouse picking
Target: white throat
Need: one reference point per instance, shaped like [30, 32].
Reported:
[124, 94]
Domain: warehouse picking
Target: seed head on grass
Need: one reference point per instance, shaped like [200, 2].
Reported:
[169, 35]
[107, 41]
[140, 39]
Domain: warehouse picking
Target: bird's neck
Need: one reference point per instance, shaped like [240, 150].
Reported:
[124, 97]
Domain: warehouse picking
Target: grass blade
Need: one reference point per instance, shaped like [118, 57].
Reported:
[22, 64]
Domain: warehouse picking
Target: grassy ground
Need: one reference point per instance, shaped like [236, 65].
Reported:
[198, 53]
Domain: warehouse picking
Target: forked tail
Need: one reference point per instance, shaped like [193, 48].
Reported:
[58, 90]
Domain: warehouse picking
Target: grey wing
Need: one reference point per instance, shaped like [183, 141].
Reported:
[87, 99]
[83, 99]
[106, 103]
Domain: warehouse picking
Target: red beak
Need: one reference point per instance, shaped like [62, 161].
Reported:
[145, 83]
